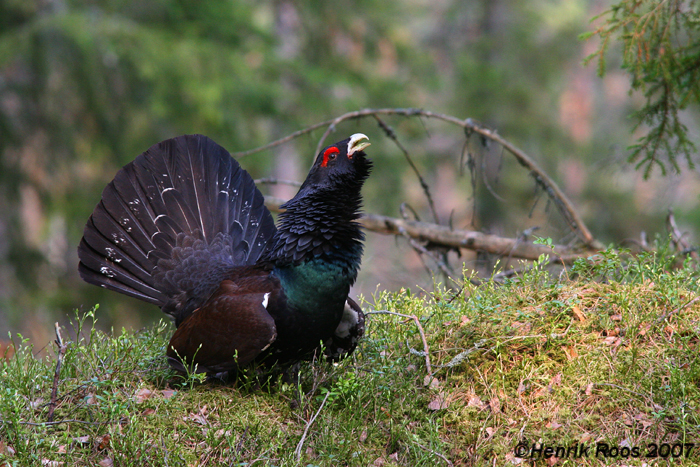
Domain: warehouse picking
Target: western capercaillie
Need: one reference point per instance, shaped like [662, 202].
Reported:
[184, 227]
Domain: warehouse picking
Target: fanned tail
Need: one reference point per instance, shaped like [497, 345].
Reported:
[172, 223]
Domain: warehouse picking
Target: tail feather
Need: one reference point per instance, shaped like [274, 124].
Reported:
[182, 210]
[118, 272]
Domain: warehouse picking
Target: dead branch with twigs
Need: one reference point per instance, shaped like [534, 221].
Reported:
[433, 240]
[456, 238]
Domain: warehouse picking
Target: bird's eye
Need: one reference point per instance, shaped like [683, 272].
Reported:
[329, 155]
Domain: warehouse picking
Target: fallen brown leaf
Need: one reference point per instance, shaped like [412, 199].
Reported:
[554, 425]
[102, 441]
[643, 420]
[200, 417]
[431, 381]
[627, 420]
[439, 402]
[106, 462]
[510, 457]
[570, 351]
[142, 394]
[522, 328]
[36, 403]
[81, 440]
[578, 313]
[475, 401]
[644, 328]
[556, 380]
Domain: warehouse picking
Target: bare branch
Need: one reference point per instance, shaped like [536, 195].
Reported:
[392, 135]
[469, 239]
[276, 181]
[454, 238]
[562, 202]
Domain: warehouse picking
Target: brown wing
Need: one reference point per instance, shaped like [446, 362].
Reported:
[227, 333]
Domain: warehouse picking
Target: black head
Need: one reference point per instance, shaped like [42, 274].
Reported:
[343, 164]
[321, 218]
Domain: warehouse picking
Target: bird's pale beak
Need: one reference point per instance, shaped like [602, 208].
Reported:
[358, 142]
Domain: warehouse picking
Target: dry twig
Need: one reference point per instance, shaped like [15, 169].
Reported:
[678, 238]
[663, 317]
[426, 349]
[297, 451]
[434, 452]
[276, 181]
[57, 374]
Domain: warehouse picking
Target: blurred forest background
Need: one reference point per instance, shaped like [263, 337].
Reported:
[86, 86]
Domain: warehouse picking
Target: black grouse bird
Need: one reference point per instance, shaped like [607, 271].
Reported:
[184, 227]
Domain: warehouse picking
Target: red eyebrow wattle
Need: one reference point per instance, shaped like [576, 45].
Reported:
[328, 152]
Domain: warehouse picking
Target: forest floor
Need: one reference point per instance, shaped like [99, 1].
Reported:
[597, 366]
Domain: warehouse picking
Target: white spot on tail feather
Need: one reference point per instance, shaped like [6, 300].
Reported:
[265, 298]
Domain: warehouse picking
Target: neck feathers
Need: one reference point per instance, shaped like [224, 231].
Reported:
[320, 224]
